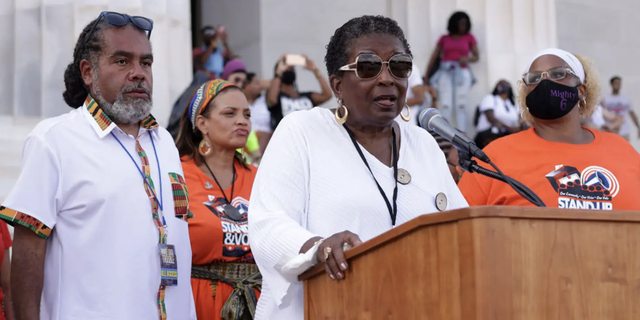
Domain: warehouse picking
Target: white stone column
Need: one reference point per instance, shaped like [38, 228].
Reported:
[509, 33]
[37, 38]
[518, 30]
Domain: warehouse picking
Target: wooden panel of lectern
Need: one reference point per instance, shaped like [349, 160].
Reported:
[486, 263]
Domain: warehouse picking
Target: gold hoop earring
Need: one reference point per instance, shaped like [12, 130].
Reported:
[407, 117]
[343, 119]
[204, 148]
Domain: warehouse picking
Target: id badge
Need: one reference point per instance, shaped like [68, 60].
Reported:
[168, 265]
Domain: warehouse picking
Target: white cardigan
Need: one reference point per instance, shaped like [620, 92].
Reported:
[312, 182]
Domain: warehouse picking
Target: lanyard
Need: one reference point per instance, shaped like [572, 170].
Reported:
[393, 212]
[233, 184]
[146, 180]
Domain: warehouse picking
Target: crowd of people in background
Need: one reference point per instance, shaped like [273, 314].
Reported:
[445, 85]
[87, 247]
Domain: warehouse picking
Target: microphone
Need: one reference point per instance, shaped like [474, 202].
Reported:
[430, 119]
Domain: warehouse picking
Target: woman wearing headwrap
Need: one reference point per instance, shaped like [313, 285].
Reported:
[235, 72]
[565, 164]
[225, 279]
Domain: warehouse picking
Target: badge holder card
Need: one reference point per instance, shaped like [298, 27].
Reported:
[168, 265]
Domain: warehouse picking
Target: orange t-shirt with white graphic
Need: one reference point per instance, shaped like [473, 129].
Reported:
[216, 238]
[601, 175]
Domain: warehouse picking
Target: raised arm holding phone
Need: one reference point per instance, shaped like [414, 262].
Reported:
[283, 97]
[211, 57]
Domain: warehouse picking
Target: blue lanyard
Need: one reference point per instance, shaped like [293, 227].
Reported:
[142, 174]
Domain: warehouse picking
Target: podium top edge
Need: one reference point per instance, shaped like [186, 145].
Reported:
[482, 212]
[545, 214]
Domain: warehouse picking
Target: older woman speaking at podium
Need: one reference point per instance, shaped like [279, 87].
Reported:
[353, 168]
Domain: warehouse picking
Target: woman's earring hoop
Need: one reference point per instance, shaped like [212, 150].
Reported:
[204, 148]
[343, 119]
[407, 117]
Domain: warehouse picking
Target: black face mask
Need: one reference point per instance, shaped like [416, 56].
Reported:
[288, 77]
[500, 89]
[551, 100]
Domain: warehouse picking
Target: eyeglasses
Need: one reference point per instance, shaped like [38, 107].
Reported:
[120, 20]
[557, 73]
[369, 66]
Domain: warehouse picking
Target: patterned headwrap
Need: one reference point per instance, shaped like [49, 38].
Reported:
[205, 93]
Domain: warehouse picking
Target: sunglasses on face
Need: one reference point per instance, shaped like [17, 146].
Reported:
[557, 73]
[369, 66]
[120, 20]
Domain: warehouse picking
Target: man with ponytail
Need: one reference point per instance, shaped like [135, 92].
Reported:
[101, 206]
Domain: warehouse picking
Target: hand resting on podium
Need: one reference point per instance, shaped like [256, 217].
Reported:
[330, 252]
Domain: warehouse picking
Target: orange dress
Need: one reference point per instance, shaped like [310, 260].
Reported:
[601, 175]
[216, 238]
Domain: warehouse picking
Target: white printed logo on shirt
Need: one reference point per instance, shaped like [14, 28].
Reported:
[235, 234]
[290, 105]
[593, 188]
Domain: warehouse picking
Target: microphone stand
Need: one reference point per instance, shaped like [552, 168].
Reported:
[472, 166]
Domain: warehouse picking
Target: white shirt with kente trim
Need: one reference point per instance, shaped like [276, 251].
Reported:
[80, 190]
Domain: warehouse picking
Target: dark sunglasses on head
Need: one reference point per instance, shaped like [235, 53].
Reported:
[120, 20]
[557, 73]
[369, 66]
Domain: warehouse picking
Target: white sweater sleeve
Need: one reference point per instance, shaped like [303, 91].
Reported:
[278, 205]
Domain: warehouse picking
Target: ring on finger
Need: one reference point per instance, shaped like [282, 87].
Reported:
[327, 251]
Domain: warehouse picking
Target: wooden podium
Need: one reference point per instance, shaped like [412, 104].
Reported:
[498, 263]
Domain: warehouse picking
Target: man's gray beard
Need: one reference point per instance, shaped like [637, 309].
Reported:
[124, 110]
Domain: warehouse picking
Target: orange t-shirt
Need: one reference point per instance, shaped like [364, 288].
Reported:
[215, 238]
[601, 175]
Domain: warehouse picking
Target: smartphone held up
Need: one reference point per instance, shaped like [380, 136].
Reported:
[295, 60]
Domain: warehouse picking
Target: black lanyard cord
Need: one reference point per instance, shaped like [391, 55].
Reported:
[233, 183]
[393, 211]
